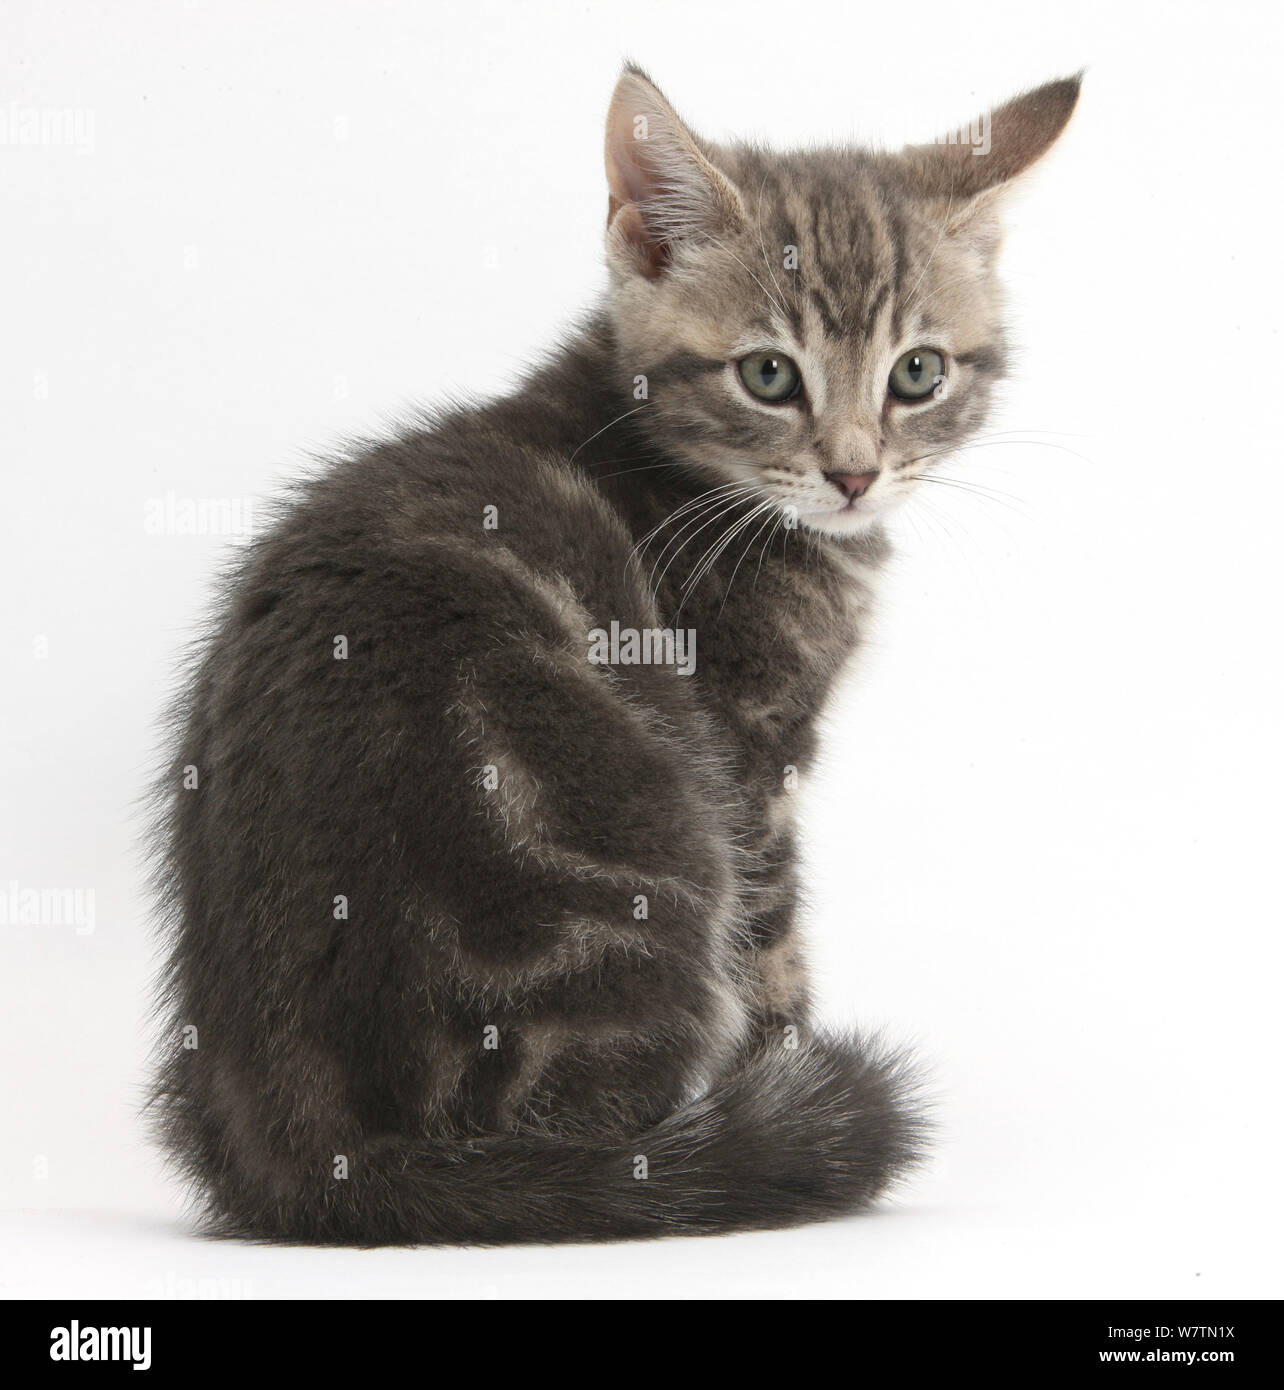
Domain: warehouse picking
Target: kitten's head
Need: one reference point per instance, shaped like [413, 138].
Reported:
[818, 327]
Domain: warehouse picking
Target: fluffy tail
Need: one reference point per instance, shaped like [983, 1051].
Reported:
[791, 1136]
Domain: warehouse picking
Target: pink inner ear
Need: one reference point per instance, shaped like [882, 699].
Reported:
[632, 181]
[629, 180]
[628, 176]
[629, 225]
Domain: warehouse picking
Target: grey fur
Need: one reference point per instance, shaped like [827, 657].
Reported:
[403, 896]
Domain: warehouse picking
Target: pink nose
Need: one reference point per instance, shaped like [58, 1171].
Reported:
[852, 484]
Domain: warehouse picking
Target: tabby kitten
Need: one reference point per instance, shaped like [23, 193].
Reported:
[479, 856]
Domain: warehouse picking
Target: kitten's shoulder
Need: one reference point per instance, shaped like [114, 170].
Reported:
[460, 507]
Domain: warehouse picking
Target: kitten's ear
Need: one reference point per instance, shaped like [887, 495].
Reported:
[664, 191]
[968, 169]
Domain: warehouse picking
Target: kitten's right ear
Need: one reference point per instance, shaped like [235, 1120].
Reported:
[968, 172]
[1007, 142]
[664, 191]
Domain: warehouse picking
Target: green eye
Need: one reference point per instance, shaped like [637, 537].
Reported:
[771, 376]
[916, 374]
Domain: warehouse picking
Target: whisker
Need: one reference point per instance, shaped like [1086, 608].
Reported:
[686, 506]
[1038, 443]
[945, 222]
[712, 555]
[977, 490]
[762, 555]
[766, 521]
[775, 303]
[607, 426]
[762, 245]
[732, 503]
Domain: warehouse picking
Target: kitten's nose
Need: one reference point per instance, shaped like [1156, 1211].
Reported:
[852, 484]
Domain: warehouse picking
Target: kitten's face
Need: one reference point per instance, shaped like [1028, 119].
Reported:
[816, 330]
[826, 353]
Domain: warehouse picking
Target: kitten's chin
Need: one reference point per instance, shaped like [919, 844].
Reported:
[843, 521]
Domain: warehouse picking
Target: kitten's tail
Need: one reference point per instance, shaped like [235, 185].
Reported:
[789, 1136]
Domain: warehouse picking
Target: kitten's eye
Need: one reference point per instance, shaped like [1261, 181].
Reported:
[771, 376]
[914, 376]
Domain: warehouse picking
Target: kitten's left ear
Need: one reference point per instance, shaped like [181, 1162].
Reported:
[969, 168]
[664, 190]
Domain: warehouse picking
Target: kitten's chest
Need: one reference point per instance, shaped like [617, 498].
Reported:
[770, 657]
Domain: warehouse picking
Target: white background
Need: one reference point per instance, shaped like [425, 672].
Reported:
[1044, 838]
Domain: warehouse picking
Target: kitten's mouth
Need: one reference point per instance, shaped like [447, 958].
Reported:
[854, 512]
[852, 515]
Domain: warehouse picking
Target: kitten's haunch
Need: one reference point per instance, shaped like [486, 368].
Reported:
[477, 845]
